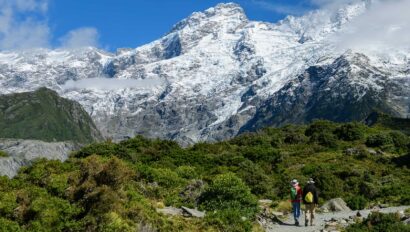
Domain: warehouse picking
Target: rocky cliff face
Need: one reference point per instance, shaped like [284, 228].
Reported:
[348, 89]
[217, 73]
[24, 152]
[41, 124]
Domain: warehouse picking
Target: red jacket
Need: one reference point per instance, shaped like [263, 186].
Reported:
[299, 194]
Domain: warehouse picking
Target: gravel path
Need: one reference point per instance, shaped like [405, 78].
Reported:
[288, 225]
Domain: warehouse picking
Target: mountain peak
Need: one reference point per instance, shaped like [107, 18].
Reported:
[230, 8]
[227, 13]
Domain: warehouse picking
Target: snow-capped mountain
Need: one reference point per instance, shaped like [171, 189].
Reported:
[217, 73]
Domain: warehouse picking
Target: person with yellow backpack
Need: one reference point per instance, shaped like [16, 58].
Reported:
[310, 200]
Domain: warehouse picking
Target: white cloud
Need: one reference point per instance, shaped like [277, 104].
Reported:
[325, 3]
[81, 37]
[385, 25]
[301, 7]
[111, 83]
[23, 24]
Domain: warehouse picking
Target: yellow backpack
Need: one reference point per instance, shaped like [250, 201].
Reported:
[309, 197]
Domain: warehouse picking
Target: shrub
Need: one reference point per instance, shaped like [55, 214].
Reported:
[295, 138]
[229, 220]
[9, 226]
[350, 131]
[357, 202]
[255, 177]
[228, 191]
[320, 126]
[400, 141]
[324, 139]
[329, 185]
[259, 153]
[3, 154]
[166, 177]
[380, 222]
[187, 172]
[379, 140]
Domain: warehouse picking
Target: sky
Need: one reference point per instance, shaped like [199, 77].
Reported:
[130, 23]
[112, 24]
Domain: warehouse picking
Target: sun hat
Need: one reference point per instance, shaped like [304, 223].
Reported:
[311, 181]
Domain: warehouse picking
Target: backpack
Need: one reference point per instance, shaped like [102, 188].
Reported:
[309, 197]
[293, 193]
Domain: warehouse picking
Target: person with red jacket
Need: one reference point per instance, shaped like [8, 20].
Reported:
[296, 198]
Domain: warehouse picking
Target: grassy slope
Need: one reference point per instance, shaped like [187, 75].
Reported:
[385, 121]
[116, 187]
[43, 115]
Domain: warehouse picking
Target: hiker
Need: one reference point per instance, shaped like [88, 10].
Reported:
[310, 200]
[296, 198]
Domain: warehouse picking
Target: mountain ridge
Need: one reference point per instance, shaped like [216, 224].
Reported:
[213, 72]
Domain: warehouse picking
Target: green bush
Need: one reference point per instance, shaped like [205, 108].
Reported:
[357, 202]
[380, 222]
[319, 127]
[324, 139]
[400, 141]
[229, 220]
[3, 154]
[187, 172]
[379, 140]
[350, 131]
[330, 186]
[295, 138]
[9, 226]
[228, 191]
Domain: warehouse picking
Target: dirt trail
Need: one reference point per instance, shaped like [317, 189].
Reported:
[320, 220]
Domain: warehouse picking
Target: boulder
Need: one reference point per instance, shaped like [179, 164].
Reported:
[336, 205]
[265, 202]
[192, 191]
[192, 212]
[172, 211]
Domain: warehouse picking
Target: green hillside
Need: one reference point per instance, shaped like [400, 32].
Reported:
[43, 115]
[117, 187]
[377, 119]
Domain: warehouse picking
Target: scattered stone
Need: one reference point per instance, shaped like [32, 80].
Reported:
[358, 214]
[265, 202]
[172, 211]
[192, 212]
[332, 226]
[192, 191]
[383, 206]
[372, 151]
[278, 214]
[336, 205]
[407, 221]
